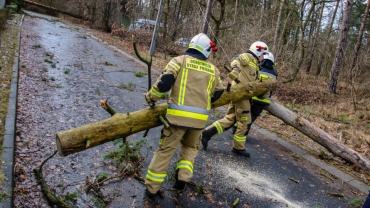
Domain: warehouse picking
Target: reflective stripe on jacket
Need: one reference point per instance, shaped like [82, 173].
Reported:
[265, 73]
[247, 65]
[196, 81]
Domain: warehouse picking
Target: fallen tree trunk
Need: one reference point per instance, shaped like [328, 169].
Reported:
[53, 9]
[122, 125]
[318, 135]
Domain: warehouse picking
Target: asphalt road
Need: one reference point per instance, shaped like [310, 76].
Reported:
[66, 96]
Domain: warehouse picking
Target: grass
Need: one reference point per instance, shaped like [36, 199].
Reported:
[127, 155]
[36, 46]
[3, 196]
[51, 55]
[71, 196]
[48, 61]
[102, 176]
[97, 91]
[356, 202]
[66, 71]
[9, 43]
[140, 74]
[107, 63]
[129, 86]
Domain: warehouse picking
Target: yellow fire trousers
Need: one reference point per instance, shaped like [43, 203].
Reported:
[236, 113]
[189, 140]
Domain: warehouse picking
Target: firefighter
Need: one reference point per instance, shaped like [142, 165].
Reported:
[244, 69]
[367, 201]
[195, 83]
[258, 104]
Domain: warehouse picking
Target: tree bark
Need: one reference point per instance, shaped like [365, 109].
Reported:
[318, 71]
[303, 26]
[206, 17]
[310, 59]
[318, 135]
[334, 74]
[218, 21]
[277, 26]
[359, 41]
[122, 125]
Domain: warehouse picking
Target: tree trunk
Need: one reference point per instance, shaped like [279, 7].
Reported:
[310, 59]
[218, 21]
[318, 135]
[318, 71]
[177, 20]
[262, 11]
[277, 26]
[122, 125]
[206, 17]
[303, 26]
[236, 10]
[334, 74]
[359, 41]
[52, 9]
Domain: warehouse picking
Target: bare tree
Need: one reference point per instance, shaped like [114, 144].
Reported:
[318, 70]
[277, 26]
[207, 16]
[313, 49]
[261, 18]
[334, 74]
[303, 26]
[218, 21]
[359, 41]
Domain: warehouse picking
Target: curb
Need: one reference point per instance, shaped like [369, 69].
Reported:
[7, 165]
[346, 178]
[330, 169]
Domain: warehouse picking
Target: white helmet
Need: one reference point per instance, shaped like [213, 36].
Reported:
[269, 56]
[259, 48]
[203, 44]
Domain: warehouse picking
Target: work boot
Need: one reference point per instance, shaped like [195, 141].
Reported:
[151, 196]
[206, 136]
[179, 185]
[241, 152]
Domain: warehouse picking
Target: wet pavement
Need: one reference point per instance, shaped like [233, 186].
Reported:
[66, 73]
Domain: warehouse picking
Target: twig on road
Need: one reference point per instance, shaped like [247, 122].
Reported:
[49, 194]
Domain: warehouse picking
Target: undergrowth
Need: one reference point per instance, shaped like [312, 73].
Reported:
[127, 154]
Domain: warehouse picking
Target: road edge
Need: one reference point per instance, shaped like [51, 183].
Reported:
[346, 178]
[7, 165]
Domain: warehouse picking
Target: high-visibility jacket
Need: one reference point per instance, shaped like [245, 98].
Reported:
[245, 67]
[266, 71]
[195, 82]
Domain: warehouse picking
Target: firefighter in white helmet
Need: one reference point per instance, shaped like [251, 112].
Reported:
[266, 71]
[194, 83]
[244, 69]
